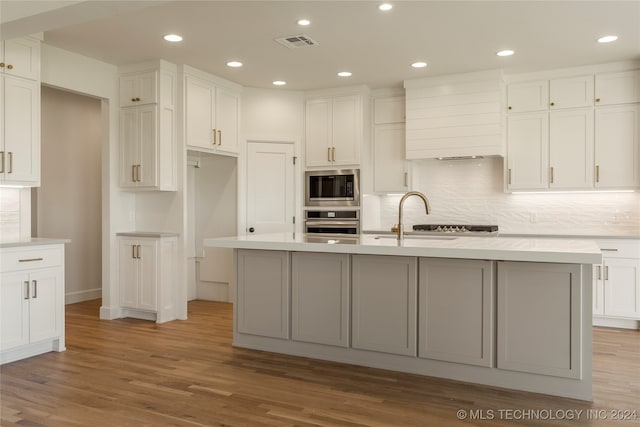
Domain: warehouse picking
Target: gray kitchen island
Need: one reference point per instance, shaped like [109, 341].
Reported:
[505, 312]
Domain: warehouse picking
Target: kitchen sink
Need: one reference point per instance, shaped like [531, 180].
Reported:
[414, 237]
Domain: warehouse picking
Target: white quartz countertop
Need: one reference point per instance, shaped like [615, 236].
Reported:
[33, 241]
[579, 251]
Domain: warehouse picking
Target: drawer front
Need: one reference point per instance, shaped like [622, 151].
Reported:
[613, 248]
[16, 259]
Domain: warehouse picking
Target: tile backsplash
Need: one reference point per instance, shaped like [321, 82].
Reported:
[471, 192]
[9, 214]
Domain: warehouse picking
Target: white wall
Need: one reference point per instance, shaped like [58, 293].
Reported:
[271, 115]
[471, 192]
[68, 203]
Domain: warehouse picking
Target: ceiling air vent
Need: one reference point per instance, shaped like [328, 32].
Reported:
[294, 42]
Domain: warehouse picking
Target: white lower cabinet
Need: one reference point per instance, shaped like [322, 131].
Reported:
[459, 294]
[616, 284]
[551, 294]
[320, 298]
[147, 276]
[263, 293]
[384, 304]
[31, 301]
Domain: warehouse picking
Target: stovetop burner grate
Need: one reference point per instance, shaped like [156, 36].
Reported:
[456, 228]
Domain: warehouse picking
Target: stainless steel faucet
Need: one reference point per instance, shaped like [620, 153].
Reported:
[400, 226]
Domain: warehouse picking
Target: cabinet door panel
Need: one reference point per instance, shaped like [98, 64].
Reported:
[528, 96]
[138, 89]
[571, 92]
[389, 110]
[617, 147]
[148, 152]
[618, 88]
[263, 293]
[346, 130]
[147, 270]
[199, 112]
[528, 141]
[14, 315]
[622, 288]
[552, 295]
[46, 304]
[318, 132]
[128, 273]
[384, 298]
[571, 149]
[21, 130]
[458, 294]
[24, 56]
[390, 173]
[227, 105]
[129, 146]
[320, 298]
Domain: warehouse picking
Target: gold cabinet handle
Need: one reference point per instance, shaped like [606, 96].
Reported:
[406, 179]
[133, 251]
[551, 174]
[333, 154]
[26, 285]
[133, 173]
[606, 272]
[30, 259]
[138, 251]
[139, 173]
[597, 173]
[137, 99]
[219, 137]
[35, 288]
[215, 137]
[133, 100]
[329, 154]
[2, 161]
[509, 176]
[598, 272]
[10, 162]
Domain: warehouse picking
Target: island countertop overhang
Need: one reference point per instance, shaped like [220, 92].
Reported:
[576, 251]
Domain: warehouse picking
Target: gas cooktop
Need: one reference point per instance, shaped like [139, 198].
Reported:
[456, 228]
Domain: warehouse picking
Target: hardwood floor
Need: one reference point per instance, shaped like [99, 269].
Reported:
[186, 373]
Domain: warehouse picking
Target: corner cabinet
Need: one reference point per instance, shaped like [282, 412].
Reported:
[147, 275]
[31, 301]
[334, 128]
[212, 109]
[20, 112]
[148, 145]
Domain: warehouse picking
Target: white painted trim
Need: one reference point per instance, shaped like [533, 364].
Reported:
[110, 313]
[609, 322]
[85, 295]
[30, 350]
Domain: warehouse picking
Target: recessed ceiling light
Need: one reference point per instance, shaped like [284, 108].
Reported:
[234, 64]
[419, 64]
[304, 22]
[607, 39]
[506, 52]
[279, 83]
[344, 74]
[173, 38]
[385, 7]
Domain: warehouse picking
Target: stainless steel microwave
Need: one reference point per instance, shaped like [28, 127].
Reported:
[330, 188]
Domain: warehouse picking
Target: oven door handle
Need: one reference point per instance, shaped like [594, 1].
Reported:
[332, 223]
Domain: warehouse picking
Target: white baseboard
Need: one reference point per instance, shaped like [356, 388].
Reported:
[609, 322]
[213, 291]
[110, 313]
[79, 296]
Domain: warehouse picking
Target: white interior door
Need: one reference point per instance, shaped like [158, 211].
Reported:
[270, 187]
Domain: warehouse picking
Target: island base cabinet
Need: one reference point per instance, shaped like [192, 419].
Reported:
[320, 298]
[263, 293]
[384, 304]
[551, 295]
[455, 306]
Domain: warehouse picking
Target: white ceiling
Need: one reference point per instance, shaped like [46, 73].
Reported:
[377, 47]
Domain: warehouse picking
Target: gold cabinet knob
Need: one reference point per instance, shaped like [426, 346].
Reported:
[133, 100]
[137, 99]
[510, 107]
[10, 67]
[553, 103]
[597, 99]
[1, 64]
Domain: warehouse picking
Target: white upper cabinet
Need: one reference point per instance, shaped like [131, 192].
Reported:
[571, 92]
[148, 139]
[528, 96]
[617, 147]
[571, 149]
[388, 110]
[527, 151]
[138, 89]
[211, 115]
[390, 168]
[333, 130]
[455, 116]
[21, 58]
[617, 88]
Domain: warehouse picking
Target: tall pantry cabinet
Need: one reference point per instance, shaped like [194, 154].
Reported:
[20, 112]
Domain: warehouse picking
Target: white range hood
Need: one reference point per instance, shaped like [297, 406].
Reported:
[455, 116]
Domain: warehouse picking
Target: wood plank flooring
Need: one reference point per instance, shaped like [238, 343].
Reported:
[186, 373]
